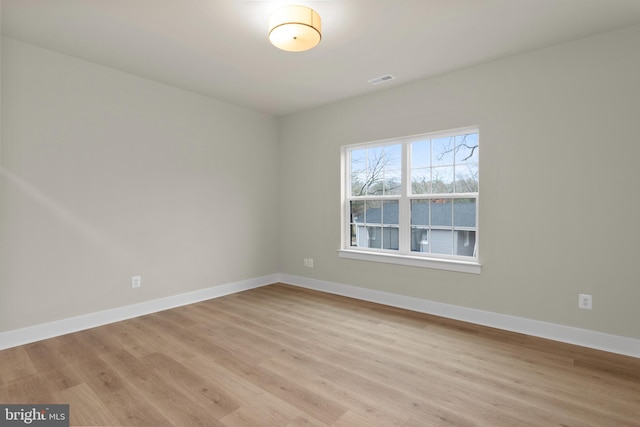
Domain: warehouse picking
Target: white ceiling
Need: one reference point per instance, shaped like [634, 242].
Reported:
[219, 48]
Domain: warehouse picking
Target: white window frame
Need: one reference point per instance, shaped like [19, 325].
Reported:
[404, 255]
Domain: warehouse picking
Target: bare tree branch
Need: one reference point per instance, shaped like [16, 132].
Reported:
[457, 148]
[374, 174]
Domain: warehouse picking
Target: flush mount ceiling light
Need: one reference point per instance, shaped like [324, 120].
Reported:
[294, 28]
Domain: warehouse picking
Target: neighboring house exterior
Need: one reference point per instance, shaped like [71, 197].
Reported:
[439, 227]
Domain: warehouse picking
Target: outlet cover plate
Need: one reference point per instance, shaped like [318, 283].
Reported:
[136, 281]
[585, 301]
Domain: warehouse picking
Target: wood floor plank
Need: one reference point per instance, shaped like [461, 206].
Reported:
[100, 376]
[260, 408]
[354, 419]
[87, 408]
[32, 389]
[16, 364]
[148, 340]
[189, 382]
[132, 408]
[43, 355]
[304, 422]
[314, 376]
[292, 357]
[324, 409]
[178, 407]
[62, 378]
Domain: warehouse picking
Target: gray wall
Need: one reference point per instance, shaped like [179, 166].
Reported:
[559, 201]
[106, 175]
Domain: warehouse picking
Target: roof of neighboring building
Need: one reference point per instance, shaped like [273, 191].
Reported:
[464, 214]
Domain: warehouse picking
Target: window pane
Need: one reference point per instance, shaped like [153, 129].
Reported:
[442, 180]
[442, 151]
[357, 211]
[375, 185]
[359, 236]
[358, 187]
[465, 242]
[375, 237]
[420, 212]
[354, 235]
[376, 170]
[467, 148]
[375, 158]
[390, 238]
[393, 182]
[441, 213]
[421, 154]
[390, 212]
[467, 178]
[358, 160]
[464, 213]
[441, 242]
[421, 181]
[419, 239]
[373, 212]
[392, 155]
[389, 168]
[383, 161]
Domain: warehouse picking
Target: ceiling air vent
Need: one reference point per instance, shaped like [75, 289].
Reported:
[381, 79]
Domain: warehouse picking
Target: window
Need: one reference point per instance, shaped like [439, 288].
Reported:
[413, 200]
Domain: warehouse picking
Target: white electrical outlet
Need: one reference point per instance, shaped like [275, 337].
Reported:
[136, 281]
[585, 301]
[308, 262]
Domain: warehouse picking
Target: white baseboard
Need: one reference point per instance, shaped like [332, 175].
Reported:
[567, 334]
[60, 327]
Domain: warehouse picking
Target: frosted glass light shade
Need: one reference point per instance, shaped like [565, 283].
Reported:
[295, 28]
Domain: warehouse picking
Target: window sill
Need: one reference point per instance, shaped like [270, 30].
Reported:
[412, 261]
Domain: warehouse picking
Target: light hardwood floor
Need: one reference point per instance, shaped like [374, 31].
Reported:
[284, 356]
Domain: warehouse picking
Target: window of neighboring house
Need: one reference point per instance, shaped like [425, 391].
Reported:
[414, 200]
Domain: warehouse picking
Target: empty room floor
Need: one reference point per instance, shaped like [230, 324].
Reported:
[286, 356]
